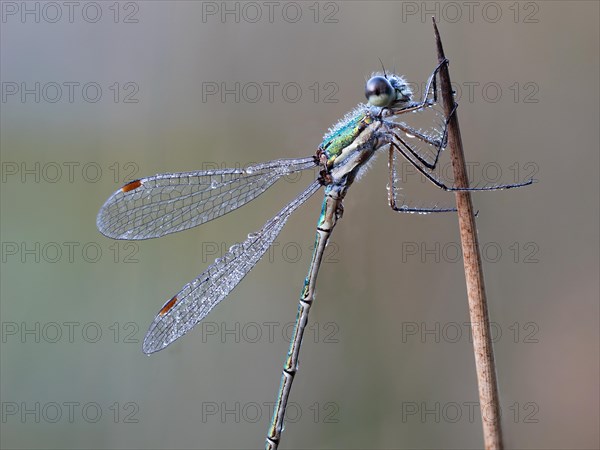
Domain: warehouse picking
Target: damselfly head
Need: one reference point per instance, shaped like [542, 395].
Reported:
[387, 90]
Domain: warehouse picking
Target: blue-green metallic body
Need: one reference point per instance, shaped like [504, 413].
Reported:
[345, 132]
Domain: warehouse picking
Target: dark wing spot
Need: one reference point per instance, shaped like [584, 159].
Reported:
[165, 309]
[131, 186]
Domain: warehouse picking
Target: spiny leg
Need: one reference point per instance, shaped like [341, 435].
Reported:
[432, 81]
[406, 150]
[392, 193]
[413, 106]
[439, 144]
[398, 144]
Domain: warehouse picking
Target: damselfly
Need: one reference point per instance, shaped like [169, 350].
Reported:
[155, 206]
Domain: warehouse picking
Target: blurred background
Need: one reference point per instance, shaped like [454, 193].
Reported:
[98, 93]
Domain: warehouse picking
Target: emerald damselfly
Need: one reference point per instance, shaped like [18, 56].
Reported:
[167, 203]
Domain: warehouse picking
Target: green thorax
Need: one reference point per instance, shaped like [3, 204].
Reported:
[345, 131]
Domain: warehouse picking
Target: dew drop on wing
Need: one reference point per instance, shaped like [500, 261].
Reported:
[214, 184]
[410, 136]
[253, 235]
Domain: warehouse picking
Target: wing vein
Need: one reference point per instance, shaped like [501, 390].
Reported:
[197, 298]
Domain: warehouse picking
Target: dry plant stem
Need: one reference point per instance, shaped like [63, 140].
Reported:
[478, 312]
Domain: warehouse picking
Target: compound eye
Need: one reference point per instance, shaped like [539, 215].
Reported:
[379, 91]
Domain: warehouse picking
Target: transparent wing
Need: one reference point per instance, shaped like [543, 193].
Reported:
[197, 298]
[166, 203]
